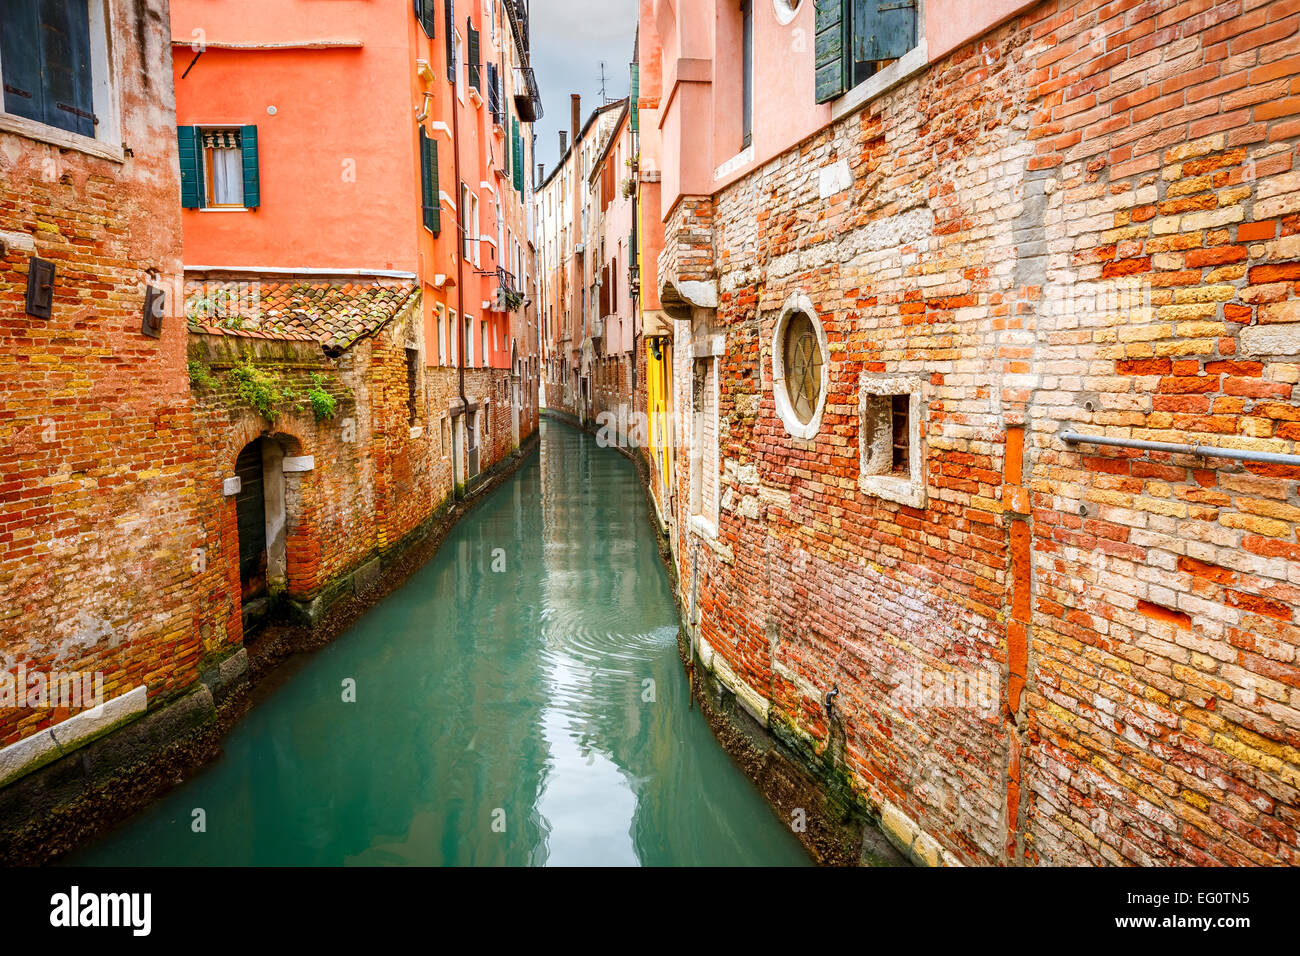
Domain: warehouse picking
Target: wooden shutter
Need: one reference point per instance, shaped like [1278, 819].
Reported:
[832, 64]
[518, 157]
[604, 291]
[883, 29]
[475, 62]
[451, 40]
[65, 65]
[430, 201]
[187, 138]
[20, 59]
[634, 111]
[252, 178]
[425, 12]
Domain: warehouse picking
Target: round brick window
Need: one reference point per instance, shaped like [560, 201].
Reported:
[800, 378]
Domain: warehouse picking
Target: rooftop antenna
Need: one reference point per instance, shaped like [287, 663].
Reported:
[604, 99]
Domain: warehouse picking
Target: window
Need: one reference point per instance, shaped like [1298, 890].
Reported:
[786, 10]
[858, 38]
[219, 167]
[440, 319]
[483, 341]
[890, 439]
[747, 68]
[473, 62]
[469, 213]
[426, 13]
[704, 446]
[54, 65]
[413, 385]
[223, 165]
[453, 337]
[469, 341]
[800, 377]
[460, 58]
[430, 198]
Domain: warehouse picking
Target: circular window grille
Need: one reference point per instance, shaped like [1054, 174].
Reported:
[786, 10]
[802, 353]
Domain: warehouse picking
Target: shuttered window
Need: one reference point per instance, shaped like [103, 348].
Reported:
[219, 167]
[45, 63]
[858, 38]
[451, 40]
[473, 62]
[518, 155]
[426, 11]
[429, 194]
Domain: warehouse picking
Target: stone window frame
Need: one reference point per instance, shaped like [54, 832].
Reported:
[786, 10]
[905, 491]
[706, 346]
[106, 71]
[799, 302]
[908, 65]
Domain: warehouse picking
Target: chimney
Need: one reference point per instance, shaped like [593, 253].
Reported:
[576, 100]
[564, 141]
[541, 172]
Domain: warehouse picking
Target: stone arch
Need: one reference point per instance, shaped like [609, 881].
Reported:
[267, 464]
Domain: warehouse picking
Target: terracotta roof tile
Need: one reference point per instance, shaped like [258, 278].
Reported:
[335, 314]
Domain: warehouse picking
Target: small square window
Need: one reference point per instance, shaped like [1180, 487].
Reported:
[890, 439]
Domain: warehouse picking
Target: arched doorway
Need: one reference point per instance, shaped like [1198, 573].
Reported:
[262, 525]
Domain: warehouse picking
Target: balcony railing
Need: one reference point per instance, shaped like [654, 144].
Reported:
[528, 100]
[508, 297]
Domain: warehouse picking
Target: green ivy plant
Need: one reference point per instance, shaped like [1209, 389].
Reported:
[200, 377]
[322, 402]
[258, 388]
[263, 390]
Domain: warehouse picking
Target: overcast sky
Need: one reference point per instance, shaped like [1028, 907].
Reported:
[570, 38]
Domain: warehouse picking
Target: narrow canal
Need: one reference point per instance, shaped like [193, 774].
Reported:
[519, 701]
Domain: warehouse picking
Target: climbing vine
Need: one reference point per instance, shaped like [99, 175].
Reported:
[264, 391]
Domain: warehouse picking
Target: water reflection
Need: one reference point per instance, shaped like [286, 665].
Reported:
[528, 714]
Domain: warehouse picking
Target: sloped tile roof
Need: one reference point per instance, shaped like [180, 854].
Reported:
[335, 314]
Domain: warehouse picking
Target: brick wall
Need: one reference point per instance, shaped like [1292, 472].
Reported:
[98, 504]
[1087, 219]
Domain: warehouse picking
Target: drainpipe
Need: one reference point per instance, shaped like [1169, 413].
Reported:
[460, 269]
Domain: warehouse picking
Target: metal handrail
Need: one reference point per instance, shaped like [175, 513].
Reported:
[1174, 448]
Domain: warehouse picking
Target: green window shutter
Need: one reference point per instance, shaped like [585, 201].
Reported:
[633, 111]
[429, 198]
[252, 179]
[45, 51]
[451, 41]
[187, 139]
[475, 65]
[832, 64]
[518, 157]
[425, 12]
[882, 30]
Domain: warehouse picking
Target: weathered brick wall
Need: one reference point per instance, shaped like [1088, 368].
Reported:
[98, 504]
[1087, 220]
[377, 476]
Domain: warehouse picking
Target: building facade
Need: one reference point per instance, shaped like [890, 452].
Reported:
[570, 217]
[311, 229]
[919, 261]
[101, 489]
[257, 336]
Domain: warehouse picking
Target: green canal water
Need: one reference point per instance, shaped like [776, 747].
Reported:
[531, 714]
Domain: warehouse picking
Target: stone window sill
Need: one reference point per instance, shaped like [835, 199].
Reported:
[904, 491]
[909, 64]
[703, 526]
[57, 137]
